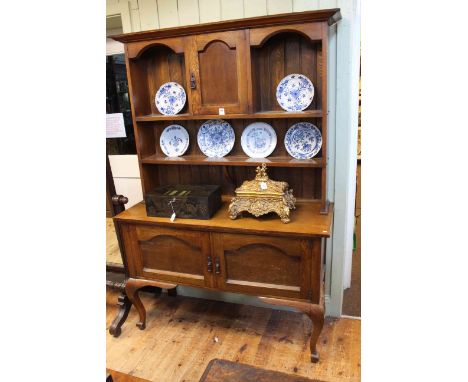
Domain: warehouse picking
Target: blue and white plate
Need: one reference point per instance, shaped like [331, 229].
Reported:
[258, 140]
[295, 92]
[170, 98]
[216, 138]
[174, 141]
[303, 140]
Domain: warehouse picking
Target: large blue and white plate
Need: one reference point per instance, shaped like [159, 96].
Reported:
[170, 98]
[258, 140]
[295, 92]
[216, 138]
[303, 140]
[174, 141]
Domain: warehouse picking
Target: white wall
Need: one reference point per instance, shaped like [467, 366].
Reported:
[126, 174]
[137, 15]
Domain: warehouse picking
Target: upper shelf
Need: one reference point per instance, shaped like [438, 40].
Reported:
[331, 16]
[259, 115]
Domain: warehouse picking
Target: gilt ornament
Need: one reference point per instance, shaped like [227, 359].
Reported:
[262, 196]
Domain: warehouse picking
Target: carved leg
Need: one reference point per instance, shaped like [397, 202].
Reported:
[132, 292]
[233, 209]
[132, 287]
[124, 305]
[317, 316]
[315, 313]
[283, 213]
[172, 292]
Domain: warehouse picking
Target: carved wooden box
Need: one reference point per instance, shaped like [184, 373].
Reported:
[186, 201]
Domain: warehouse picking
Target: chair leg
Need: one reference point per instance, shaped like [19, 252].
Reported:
[124, 308]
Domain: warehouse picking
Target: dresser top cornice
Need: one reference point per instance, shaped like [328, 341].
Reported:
[331, 16]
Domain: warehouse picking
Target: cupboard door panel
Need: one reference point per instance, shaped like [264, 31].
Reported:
[263, 265]
[219, 66]
[218, 55]
[178, 256]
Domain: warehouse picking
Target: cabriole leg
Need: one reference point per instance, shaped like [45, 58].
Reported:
[131, 288]
[317, 316]
[315, 313]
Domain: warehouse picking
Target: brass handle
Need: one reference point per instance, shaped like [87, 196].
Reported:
[193, 81]
[217, 266]
[209, 265]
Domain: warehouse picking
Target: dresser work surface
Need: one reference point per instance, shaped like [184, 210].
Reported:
[306, 220]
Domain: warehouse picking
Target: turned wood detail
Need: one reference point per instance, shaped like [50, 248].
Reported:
[132, 289]
[124, 308]
[313, 311]
[119, 200]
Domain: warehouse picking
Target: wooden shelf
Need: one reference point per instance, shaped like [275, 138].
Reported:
[259, 115]
[285, 161]
[306, 220]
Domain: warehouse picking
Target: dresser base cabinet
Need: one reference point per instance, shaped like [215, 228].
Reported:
[253, 256]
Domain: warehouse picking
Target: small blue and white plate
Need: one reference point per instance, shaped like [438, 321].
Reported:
[258, 140]
[295, 92]
[216, 138]
[303, 140]
[170, 98]
[174, 141]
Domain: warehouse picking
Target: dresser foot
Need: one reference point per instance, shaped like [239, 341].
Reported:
[124, 308]
[315, 313]
[132, 288]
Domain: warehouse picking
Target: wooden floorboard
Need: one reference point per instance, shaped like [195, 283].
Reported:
[183, 334]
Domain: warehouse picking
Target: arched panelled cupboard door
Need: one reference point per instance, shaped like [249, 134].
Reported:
[267, 266]
[169, 255]
[214, 53]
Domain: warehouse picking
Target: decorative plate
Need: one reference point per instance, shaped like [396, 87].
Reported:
[303, 140]
[295, 92]
[174, 141]
[216, 138]
[170, 98]
[258, 140]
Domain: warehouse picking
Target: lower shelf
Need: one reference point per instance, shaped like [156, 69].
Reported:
[280, 161]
